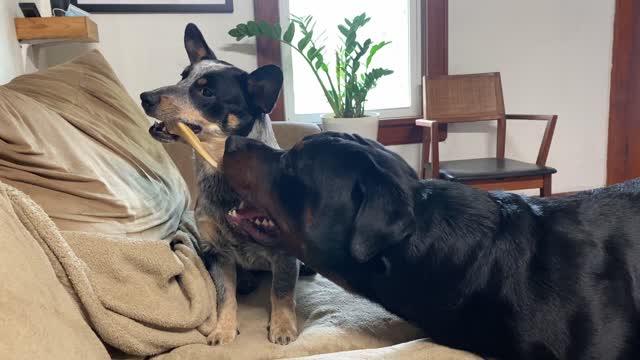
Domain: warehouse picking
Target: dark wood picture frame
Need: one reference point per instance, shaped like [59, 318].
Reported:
[226, 7]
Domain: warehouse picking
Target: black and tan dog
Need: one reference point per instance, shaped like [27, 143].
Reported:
[216, 99]
[498, 274]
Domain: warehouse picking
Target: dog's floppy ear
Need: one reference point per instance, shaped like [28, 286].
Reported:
[196, 47]
[264, 86]
[385, 216]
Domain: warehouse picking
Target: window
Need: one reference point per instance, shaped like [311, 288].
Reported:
[397, 95]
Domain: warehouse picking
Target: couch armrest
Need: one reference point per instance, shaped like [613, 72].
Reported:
[288, 133]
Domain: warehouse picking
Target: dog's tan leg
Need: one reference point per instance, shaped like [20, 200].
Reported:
[283, 327]
[227, 327]
[223, 273]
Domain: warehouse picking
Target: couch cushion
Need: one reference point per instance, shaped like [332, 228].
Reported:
[288, 133]
[73, 139]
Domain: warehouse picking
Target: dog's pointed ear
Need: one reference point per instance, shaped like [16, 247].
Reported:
[264, 86]
[385, 216]
[196, 47]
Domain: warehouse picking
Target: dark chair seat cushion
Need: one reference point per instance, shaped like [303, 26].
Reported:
[490, 168]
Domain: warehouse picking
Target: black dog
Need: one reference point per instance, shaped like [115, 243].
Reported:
[498, 274]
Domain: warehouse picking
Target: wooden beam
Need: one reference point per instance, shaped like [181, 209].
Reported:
[623, 155]
[269, 51]
[435, 48]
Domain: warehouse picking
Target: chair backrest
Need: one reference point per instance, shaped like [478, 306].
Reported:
[461, 98]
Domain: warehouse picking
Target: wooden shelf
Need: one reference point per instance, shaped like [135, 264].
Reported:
[37, 30]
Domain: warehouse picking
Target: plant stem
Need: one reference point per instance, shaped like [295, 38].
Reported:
[324, 89]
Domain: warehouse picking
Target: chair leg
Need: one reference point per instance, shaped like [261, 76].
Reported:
[426, 147]
[501, 138]
[545, 191]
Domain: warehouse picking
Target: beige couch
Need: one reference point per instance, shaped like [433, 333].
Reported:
[98, 245]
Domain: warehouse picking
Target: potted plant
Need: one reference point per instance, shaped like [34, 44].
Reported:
[348, 83]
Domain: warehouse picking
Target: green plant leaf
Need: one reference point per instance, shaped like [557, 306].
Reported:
[365, 19]
[288, 35]
[319, 61]
[265, 29]
[374, 50]
[254, 29]
[236, 33]
[364, 48]
[304, 41]
[311, 53]
[350, 43]
[243, 28]
[277, 31]
[343, 30]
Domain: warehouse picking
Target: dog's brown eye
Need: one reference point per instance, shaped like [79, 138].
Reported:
[206, 92]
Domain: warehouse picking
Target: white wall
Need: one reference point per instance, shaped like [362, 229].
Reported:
[147, 51]
[10, 54]
[554, 58]
[14, 59]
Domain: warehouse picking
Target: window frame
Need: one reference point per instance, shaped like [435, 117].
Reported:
[414, 110]
[435, 55]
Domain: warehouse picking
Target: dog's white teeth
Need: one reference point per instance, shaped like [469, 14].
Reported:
[265, 222]
[241, 206]
[269, 223]
[233, 212]
[257, 222]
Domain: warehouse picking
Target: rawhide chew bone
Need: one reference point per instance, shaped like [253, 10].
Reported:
[180, 128]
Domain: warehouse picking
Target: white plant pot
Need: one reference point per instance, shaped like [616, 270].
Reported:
[364, 126]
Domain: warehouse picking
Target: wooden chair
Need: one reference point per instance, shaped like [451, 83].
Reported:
[478, 97]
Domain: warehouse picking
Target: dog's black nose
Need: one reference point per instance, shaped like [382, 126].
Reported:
[235, 143]
[149, 99]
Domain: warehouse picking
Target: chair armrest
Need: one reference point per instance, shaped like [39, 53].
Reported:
[529, 117]
[426, 123]
[543, 153]
[430, 144]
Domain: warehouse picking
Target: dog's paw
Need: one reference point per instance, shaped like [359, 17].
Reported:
[283, 330]
[223, 336]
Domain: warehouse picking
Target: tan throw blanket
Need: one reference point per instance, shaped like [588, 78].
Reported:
[76, 143]
[39, 319]
[73, 139]
[142, 296]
